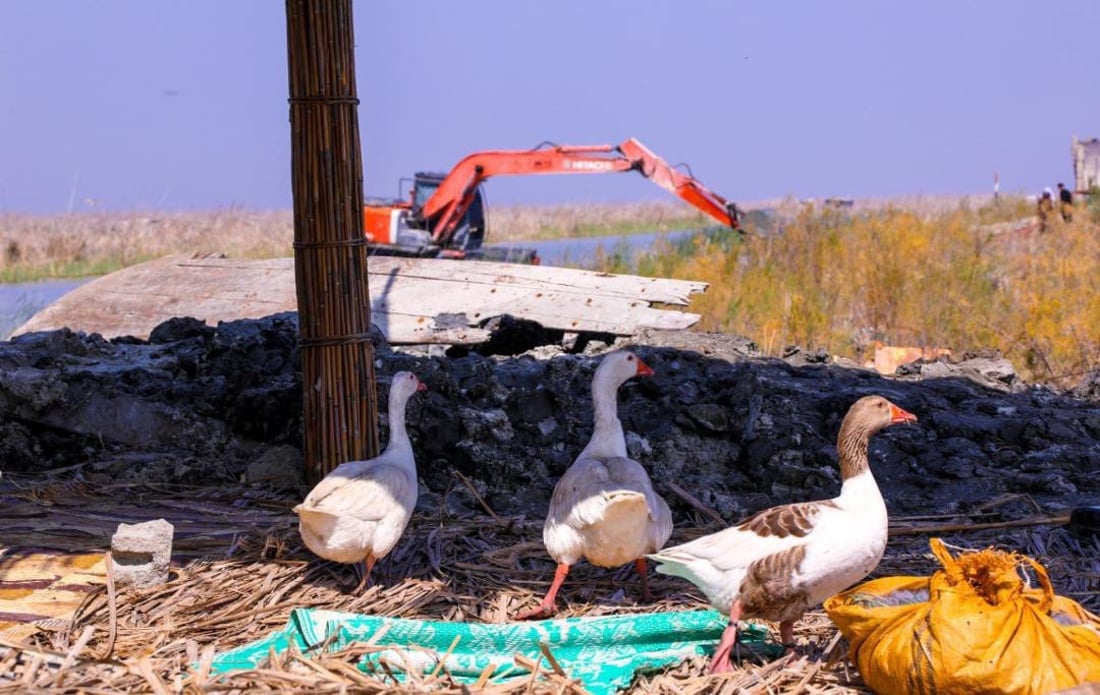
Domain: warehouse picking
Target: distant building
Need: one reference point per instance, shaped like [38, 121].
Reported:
[1086, 164]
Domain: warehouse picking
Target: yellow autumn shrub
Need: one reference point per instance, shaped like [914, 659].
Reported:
[962, 279]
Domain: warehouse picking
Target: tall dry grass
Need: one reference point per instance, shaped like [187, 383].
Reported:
[83, 244]
[41, 247]
[965, 279]
[531, 222]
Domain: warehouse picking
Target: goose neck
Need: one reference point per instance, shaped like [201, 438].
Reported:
[399, 435]
[852, 444]
[607, 433]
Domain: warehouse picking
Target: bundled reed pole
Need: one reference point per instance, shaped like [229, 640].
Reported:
[330, 252]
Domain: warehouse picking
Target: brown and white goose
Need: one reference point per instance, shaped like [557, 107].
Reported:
[357, 513]
[781, 561]
[604, 508]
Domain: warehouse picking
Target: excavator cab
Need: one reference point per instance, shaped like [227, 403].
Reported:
[470, 231]
[400, 228]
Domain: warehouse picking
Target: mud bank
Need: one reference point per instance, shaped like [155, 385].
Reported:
[202, 405]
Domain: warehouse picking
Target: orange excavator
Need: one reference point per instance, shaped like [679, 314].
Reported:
[445, 213]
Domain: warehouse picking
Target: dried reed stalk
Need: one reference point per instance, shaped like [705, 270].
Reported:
[330, 252]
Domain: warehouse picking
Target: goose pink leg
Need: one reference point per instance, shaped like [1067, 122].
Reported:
[786, 636]
[720, 662]
[547, 607]
[365, 566]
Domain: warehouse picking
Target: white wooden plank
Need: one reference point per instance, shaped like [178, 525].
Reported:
[407, 296]
[570, 280]
[663, 290]
[554, 309]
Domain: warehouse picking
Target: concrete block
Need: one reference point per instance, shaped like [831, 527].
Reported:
[140, 553]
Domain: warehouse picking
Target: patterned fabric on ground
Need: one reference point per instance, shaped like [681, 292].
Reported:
[604, 653]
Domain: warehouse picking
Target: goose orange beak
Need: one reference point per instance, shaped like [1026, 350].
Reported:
[643, 368]
[900, 415]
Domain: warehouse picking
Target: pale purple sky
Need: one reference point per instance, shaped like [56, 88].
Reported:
[181, 104]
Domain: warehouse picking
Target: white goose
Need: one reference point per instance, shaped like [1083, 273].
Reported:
[781, 561]
[357, 513]
[604, 508]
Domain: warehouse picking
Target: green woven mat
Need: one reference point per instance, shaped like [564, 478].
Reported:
[604, 653]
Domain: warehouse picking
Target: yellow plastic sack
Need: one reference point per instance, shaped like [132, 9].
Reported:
[975, 627]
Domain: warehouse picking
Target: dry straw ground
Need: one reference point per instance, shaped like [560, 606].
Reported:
[232, 587]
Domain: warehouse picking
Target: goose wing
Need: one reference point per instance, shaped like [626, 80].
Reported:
[369, 494]
[765, 533]
[583, 491]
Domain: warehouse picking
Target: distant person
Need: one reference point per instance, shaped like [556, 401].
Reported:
[1066, 202]
[1046, 208]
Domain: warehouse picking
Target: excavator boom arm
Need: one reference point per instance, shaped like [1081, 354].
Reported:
[677, 182]
[450, 201]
